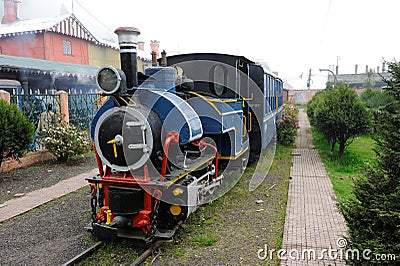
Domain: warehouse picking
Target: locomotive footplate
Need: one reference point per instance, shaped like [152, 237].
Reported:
[104, 232]
[108, 233]
[165, 234]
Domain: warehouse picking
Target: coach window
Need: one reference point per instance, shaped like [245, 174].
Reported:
[266, 91]
[273, 94]
[67, 48]
[219, 80]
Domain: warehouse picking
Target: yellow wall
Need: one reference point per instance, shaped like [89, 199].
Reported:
[105, 56]
[102, 56]
[142, 64]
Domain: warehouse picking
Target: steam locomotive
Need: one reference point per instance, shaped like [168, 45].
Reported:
[167, 139]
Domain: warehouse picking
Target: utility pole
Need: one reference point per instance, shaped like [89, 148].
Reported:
[309, 80]
[337, 65]
[333, 74]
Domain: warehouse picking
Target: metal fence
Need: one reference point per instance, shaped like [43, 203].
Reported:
[33, 106]
[82, 108]
[43, 109]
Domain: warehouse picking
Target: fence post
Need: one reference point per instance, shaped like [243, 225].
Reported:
[4, 95]
[63, 102]
[309, 96]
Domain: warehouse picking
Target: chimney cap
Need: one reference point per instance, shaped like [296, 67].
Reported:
[132, 29]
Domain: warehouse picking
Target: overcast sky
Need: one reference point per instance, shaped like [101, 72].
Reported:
[292, 36]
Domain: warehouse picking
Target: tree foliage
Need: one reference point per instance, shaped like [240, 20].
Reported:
[339, 114]
[373, 218]
[375, 99]
[16, 132]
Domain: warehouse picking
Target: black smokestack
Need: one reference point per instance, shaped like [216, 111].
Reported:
[127, 39]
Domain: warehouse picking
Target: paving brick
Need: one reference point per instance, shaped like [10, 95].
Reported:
[38, 197]
[313, 221]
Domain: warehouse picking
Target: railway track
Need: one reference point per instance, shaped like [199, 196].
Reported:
[147, 252]
[138, 261]
[84, 254]
[97, 245]
[154, 246]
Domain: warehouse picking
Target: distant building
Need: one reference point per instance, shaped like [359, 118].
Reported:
[362, 81]
[143, 56]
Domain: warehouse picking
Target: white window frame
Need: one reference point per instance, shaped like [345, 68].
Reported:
[67, 47]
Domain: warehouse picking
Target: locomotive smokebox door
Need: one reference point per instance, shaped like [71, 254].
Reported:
[124, 138]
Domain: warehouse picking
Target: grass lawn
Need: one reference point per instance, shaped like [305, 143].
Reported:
[230, 230]
[343, 171]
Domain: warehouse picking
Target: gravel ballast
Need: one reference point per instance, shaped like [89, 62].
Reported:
[53, 233]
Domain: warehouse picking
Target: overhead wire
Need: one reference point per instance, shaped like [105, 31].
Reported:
[325, 21]
[322, 35]
[90, 14]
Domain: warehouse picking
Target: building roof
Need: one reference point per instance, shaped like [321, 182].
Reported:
[38, 66]
[359, 80]
[64, 24]
[146, 56]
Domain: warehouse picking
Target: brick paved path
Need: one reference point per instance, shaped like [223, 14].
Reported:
[313, 222]
[38, 197]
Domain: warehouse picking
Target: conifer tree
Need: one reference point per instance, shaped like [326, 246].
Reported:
[373, 217]
[16, 132]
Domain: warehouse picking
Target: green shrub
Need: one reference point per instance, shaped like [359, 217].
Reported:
[288, 124]
[16, 132]
[312, 105]
[375, 99]
[65, 141]
[340, 115]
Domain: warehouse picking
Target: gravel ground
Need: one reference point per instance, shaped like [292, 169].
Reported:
[53, 233]
[41, 175]
[229, 231]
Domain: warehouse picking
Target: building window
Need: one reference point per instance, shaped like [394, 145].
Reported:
[67, 48]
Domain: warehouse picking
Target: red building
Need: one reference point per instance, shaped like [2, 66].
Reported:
[60, 39]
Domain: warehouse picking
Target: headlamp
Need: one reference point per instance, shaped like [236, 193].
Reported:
[111, 80]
